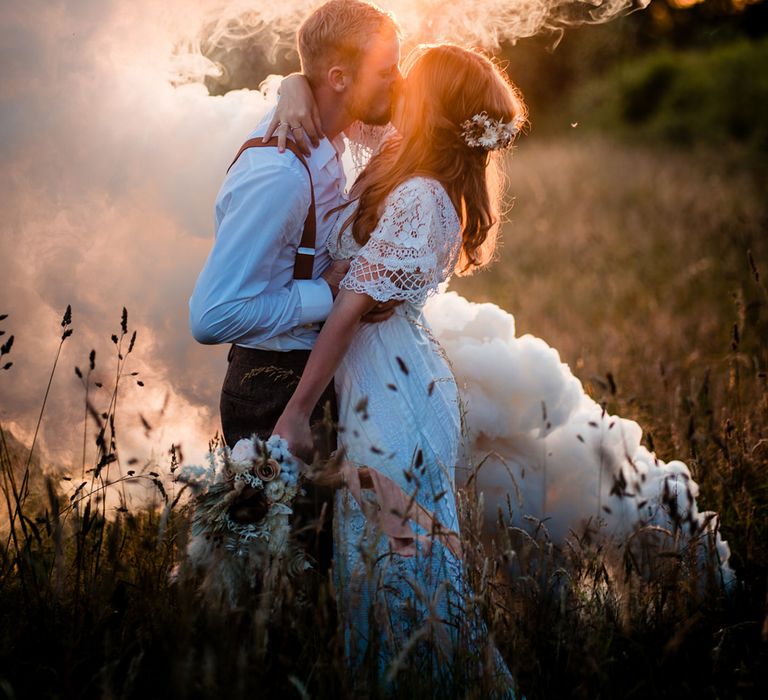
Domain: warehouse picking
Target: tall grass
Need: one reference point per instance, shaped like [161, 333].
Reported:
[647, 271]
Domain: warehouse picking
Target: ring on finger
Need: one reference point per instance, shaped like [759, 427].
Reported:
[293, 128]
[279, 124]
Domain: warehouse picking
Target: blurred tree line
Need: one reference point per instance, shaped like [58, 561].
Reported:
[651, 72]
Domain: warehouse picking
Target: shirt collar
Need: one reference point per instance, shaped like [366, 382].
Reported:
[327, 150]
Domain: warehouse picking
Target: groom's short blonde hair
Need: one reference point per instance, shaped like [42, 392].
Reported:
[338, 32]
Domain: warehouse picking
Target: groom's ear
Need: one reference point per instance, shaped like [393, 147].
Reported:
[338, 78]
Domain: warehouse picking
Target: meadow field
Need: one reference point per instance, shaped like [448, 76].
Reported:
[647, 269]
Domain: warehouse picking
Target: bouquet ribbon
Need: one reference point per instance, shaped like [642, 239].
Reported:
[395, 510]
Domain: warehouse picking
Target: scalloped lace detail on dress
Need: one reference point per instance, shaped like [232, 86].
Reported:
[412, 250]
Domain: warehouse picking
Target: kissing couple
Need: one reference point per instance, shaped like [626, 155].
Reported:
[320, 294]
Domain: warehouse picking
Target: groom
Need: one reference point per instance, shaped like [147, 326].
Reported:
[263, 289]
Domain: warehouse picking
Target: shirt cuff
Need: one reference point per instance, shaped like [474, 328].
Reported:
[316, 300]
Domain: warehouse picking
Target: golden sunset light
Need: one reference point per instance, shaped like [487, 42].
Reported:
[467, 400]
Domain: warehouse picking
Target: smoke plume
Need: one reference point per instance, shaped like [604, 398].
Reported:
[534, 435]
[112, 151]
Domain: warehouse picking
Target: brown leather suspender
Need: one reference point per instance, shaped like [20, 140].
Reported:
[305, 255]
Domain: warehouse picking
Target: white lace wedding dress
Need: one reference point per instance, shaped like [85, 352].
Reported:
[399, 415]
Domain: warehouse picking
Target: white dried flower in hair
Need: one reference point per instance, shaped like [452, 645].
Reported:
[482, 131]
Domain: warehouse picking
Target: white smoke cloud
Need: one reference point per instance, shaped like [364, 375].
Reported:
[485, 23]
[536, 435]
[108, 178]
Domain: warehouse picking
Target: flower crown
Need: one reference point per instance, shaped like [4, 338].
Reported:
[491, 134]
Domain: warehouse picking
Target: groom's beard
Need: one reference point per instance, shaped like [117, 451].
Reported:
[373, 109]
[373, 114]
[378, 119]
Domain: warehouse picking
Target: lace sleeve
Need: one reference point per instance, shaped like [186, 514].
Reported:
[412, 250]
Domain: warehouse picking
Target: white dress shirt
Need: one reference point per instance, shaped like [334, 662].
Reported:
[246, 293]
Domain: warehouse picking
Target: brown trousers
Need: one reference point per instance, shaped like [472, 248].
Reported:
[256, 389]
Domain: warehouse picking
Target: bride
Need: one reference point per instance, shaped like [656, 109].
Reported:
[425, 206]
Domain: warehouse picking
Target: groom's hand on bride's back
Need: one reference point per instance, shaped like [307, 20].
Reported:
[381, 312]
[334, 274]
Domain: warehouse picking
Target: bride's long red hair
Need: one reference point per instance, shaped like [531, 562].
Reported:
[445, 86]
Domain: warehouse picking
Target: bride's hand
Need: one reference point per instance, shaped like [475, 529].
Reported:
[294, 429]
[296, 111]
